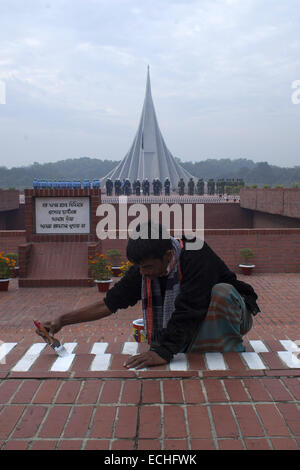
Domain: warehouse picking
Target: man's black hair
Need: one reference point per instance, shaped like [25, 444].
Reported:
[150, 240]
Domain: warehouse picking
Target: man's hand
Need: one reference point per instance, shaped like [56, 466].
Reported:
[51, 326]
[147, 359]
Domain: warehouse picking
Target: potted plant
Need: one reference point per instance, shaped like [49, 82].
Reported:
[15, 269]
[246, 267]
[124, 268]
[114, 257]
[101, 270]
[6, 267]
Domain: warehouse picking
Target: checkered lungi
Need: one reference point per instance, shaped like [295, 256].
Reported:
[226, 322]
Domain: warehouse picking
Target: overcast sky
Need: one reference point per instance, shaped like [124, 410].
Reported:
[221, 72]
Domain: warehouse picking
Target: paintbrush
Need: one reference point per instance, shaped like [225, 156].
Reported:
[53, 342]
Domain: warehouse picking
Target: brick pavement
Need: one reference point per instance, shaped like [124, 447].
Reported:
[236, 408]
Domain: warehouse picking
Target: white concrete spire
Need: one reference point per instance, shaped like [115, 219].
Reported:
[149, 156]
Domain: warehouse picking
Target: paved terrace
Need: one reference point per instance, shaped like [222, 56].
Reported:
[90, 401]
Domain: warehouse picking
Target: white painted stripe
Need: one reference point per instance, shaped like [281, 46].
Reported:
[215, 361]
[101, 362]
[258, 346]
[179, 362]
[29, 358]
[62, 364]
[289, 345]
[130, 348]
[290, 358]
[5, 348]
[99, 348]
[253, 360]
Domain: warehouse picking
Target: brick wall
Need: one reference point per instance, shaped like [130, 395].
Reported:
[31, 194]
[9, 199]
[281, 201]
[11, 239]
[264, 220]
[276, 250]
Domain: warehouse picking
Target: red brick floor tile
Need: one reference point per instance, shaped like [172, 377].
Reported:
[103, 422]
[99, 444]
[82, 362]
[257, 444]
[198, 422]
[118, 360]
[30, 422]
[79, 421]
[248, 421]
[193, 391]
[271, 359]
[257, 390]
[284, 444]
[149, 444]
[47, 391]
[43, 445]
[224, 421]
[69, 445]
[214, 390]
[55, 421]
[68, 392]
[8, 388]
[234, 361]
[8, 419]
[16, 445]
[196, 362]
[45, 361]
[151, 391]
[276, 389]
[174, 422]
[202, 444]
[235, 390]
[175, 444]
[293, 385]
[126, 422]
[89, 392]
[26, 391]
[110, 391]
[172, 391]
[113, 348]
[131, 392]
[150, 422]
[230, 444]
[272, 421]
[291, 415]
[123, 445]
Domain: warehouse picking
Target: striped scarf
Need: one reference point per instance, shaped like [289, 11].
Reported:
[156, 311]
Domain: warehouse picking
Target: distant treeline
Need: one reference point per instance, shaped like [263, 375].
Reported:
[91, 168]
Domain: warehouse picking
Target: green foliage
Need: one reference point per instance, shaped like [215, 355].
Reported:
[246, 254]
[12, 256]
[89, 168]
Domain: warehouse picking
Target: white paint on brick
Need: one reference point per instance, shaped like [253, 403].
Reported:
[99, 348]
[290, 358]
[101, 362]
[5, 348]
[179, 362]
[29, 358]
[258, 346]
[215, 361]
[289, 345]
[253, 360]
[130, 348]
[63, 364]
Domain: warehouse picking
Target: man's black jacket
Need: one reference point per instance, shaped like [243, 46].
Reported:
[201, 270]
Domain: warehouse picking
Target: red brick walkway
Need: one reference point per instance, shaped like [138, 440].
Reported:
[236, 408]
